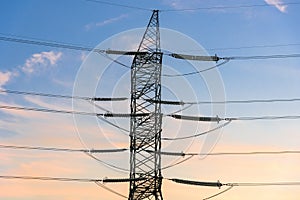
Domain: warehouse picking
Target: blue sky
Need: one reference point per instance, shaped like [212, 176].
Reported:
[235, 31]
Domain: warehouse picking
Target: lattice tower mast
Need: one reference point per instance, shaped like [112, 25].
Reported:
[146, 117]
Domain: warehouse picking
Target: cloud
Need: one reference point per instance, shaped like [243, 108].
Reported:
[38, 60]
[5, 77]
[105, 22]
[31, 65]
[278, 4]
[182, 4]
[64, 83]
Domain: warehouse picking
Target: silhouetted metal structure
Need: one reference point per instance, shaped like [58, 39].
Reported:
[145, 130]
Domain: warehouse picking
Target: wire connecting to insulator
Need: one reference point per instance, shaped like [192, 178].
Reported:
[195, 57]
[203, 119]
[198, 183]
[124, 115]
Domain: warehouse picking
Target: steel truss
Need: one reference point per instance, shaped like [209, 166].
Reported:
[145, 130]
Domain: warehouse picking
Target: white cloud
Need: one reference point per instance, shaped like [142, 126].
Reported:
[105, 22]
[32, 64]
[5, 77]
[183, 4]
[39, 60]
[278, 4]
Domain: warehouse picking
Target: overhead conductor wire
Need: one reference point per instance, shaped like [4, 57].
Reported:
[231, 185]
[92, 151]
[167, 102]
[63, 149]
[56, 44]
[226, 7]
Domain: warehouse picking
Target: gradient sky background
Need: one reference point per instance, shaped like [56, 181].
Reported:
[260, 30]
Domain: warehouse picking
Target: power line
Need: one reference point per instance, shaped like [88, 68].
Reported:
[48, 43]
[43, 94]
[176, 163]
[226, 59]
[198, 183]
[229, 188]
[63, 96]
[182, 181]
[180, 56]
[125, 115]
[215, 58]
[63, 149]
[257, 184]
[57, 44]
[101, 51]
[219, 184]
[197, 72]
[88, 152]
[227, 7]
[120, 5]
[263, 57]
[231, 185]
[115, 61]
[228, 101]
[112, 166]
[99, 182]
[47, 110]
[105, 120]
[264, 118]
[112, 124]
[167, 102]
[229, 153]
[111, 190]
[91, 151]
[210, 58]
[196, 118]
[189, 9]
[25, 40]
[217, 119]
[251, 47]
[47, 178]
[197, 134]
[121, 115]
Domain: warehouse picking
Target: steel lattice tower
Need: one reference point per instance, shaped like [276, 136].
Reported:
[146, 118]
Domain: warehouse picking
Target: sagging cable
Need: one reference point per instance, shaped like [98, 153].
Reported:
[210, 197]
[198, 134]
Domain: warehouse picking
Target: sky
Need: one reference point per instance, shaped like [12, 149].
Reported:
[226, 28]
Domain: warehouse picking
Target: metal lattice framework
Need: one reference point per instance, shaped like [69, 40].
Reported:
[145, 130]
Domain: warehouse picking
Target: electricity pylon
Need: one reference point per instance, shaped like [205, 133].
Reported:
[146, 117]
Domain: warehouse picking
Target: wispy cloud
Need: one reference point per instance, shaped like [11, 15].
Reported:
[105, 22]
[35, 62]
[5, 77]
[181, 4]
[63, 83]
[38, 60]
[278, 4]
